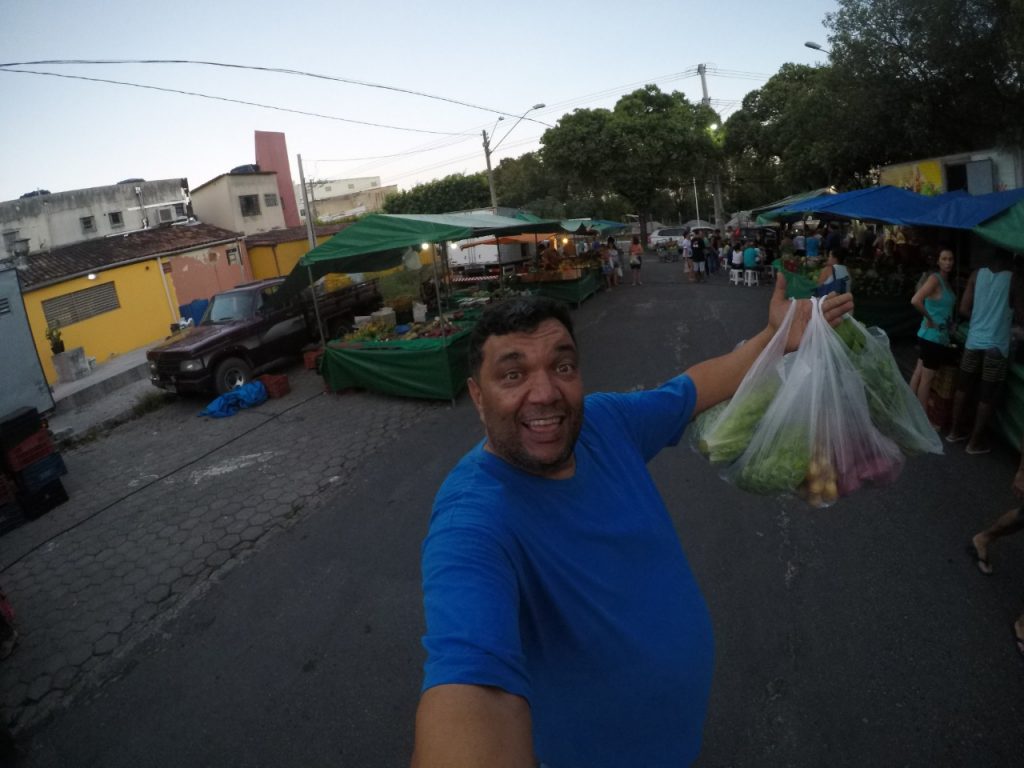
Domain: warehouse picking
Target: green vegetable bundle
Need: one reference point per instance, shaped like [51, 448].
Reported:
[727, 436]
[895, 410]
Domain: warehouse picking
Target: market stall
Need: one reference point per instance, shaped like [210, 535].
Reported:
[425, 361]
[433, 368]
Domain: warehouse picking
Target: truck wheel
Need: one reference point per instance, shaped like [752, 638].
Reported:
[231, 373]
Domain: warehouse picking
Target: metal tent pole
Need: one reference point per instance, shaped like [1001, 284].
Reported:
[316, 307]
[440, 315]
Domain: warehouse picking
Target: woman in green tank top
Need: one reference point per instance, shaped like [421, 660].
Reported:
[935, 301]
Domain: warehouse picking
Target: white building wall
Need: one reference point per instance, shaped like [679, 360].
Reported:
[218, 202]
[52, 220]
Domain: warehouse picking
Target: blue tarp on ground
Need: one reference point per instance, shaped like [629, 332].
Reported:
[967, 211]
[246, 396]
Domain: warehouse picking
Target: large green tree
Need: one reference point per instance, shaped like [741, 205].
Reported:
[927, 77]
[457, 192]
[648, 143]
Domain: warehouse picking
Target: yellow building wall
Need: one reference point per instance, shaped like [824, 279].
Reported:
[144, 316]
[923, 176]
[265, 265]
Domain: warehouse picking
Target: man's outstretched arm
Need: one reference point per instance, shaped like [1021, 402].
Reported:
[472, 726]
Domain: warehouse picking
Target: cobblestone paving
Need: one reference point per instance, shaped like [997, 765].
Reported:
[158, 508]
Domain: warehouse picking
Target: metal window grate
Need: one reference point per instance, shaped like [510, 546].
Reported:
[81, 305]
[5, 305]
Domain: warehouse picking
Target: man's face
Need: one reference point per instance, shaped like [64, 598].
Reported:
[529, 395]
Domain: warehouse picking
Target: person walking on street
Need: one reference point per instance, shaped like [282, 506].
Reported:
[1007, 524]
[636, 260]
[987, 301]
[616, 256]
[564, 625]
[699, 257]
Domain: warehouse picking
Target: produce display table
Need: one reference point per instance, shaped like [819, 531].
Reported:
[572, 290]
[428, 368]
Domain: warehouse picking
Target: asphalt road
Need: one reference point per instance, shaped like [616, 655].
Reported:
[858, 635]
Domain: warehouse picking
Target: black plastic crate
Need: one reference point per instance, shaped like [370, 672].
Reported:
[41, 473]
[18, 425]
[10, 517]
[36, 503]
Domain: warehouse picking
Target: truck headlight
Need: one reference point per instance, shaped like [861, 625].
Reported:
[191, 365]
[152, 366]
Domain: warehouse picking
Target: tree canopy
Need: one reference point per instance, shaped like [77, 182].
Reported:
[457, 192]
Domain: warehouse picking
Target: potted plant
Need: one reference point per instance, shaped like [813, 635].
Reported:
[53, 336]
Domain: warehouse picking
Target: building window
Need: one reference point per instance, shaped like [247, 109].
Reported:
[10, 237]
[80, 305]
[166, 215]
[5, 305]
[351, 186]
[88, 224]
[270, 200]
[116, 219]
[250, 204]
[179, 210]
[374, 183]
[233, 256]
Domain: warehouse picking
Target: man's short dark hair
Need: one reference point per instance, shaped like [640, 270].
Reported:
[521, 314]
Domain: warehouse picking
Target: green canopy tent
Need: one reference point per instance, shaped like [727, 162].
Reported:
[1005, 230]
[379, 241]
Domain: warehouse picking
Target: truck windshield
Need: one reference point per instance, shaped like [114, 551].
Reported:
[229, 307]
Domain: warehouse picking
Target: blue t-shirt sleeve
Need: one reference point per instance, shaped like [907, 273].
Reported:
[471, 600]
[654, 418]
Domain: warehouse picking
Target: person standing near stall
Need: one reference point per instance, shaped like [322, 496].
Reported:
[636, 260]
[936, 302]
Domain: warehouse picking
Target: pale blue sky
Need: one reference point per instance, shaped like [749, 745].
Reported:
[61, 134]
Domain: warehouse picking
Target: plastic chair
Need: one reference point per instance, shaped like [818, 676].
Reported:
[750, 277]
[735, 276]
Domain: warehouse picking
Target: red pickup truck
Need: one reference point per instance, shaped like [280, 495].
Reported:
[249, 329]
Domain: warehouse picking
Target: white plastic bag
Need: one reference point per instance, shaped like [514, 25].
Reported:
[816, 438]
[894, 407]
[722, 433]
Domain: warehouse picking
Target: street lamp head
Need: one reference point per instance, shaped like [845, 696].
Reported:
[539, 106]
[817, 47]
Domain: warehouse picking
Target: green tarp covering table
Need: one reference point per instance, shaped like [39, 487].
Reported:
[574, 291]
[428, 368]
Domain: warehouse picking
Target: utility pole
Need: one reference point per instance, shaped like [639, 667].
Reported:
[310, 231]
[490, 173]
[706, 101]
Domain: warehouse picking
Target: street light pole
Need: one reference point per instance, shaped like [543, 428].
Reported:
[696, 203]
[488, 149]
[490, 173]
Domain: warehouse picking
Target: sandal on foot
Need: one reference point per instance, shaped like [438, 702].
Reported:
[982, 562]
[977, 451]
[951, 438]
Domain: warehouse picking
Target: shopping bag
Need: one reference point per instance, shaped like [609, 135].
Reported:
[722, 433]
[816, 437]
[894, 407]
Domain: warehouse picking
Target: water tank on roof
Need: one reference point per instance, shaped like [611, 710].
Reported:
[130, 181]
[251, 168]
[35, 193]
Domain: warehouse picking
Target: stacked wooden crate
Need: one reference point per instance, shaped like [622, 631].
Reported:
[31, 468]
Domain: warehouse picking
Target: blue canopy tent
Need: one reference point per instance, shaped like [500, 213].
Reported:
[963, 211]
[887, 204]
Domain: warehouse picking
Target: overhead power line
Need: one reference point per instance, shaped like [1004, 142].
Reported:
[232, 101]
[278, 70]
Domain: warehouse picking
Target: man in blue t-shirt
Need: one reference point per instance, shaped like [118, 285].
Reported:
[563, 622]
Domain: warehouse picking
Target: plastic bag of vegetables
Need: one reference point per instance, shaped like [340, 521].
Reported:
[895, 409]
[723, 432]
[816, 438]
